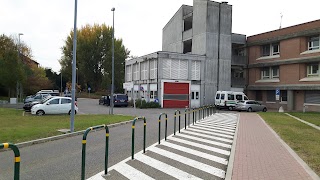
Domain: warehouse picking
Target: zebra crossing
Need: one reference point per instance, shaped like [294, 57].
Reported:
[199, 152]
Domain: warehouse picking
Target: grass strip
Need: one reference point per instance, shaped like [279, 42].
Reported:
[303, 139]
[311, 117]
[16, 128]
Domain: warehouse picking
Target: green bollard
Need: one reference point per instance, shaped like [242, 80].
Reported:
[16, 152]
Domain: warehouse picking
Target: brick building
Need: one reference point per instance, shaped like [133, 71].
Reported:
[288, 60]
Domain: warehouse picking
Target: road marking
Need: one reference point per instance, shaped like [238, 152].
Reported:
[207, 136]
[219, 123]
[217, 150]
[130, 172]
[166, 168]
[196, 153]
[190, 162]
[205, 141]
[213, 132]
[217, 128]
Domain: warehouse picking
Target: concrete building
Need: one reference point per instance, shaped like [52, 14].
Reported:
[198, 50]
[286, 60]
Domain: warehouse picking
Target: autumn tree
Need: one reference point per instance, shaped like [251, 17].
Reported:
[94, 56]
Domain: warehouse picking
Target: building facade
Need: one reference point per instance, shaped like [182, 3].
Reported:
[199, 56]
[283, 67]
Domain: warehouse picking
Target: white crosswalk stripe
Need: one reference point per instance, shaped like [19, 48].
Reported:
[196, 153]
[208, 142]
[207, 136]
[166, 168]
[204, 167]
[205, 140]
[130, 172]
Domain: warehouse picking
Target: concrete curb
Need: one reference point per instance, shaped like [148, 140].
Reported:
[62, 136]
[233, 153]
[304, 165]
[303, 121]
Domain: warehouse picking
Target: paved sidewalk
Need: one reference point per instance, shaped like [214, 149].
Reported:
[260, 154]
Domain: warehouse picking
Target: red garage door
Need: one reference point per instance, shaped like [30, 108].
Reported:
[175, 95]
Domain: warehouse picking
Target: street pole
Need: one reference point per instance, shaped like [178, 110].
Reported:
[61, 83]
[19, 57]
[74, 68]
[112, 83]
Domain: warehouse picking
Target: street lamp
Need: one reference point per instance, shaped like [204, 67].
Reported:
[112, 83]
[19, 57]
[74, 68]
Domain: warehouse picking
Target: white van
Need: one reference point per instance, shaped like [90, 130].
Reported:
[228, 99]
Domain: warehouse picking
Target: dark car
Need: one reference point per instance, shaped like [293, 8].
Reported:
[27, 106]
[104, 100]
[118, 100]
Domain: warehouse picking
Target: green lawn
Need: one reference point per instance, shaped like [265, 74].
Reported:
[16, 128]
[303, 139]
[311, 117]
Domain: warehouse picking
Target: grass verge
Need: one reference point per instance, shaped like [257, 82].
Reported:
[311, 117]
[16, 128]
[303, 139]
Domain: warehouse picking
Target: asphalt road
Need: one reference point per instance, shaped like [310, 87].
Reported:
[61, 159]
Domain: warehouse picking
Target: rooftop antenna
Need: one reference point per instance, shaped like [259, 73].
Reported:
[280, 20]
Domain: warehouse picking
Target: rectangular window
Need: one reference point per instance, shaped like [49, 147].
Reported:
[271, 49]
[271, 96]
[218, 96]
[275, 49]
[266, 50]
[230, 97]
[192, 95]
[283, 95]
[270, 72]
[197, 95]
[312, 97]
[265, 74]
[312, 70]
[313, 43]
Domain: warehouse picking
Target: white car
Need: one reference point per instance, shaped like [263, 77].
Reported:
[55, 105]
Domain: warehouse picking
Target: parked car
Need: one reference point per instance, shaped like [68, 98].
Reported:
[36, 97]
[228, 99]
[104, 100]
[27, 106]
[250, 105]
[54, 105]
[118, 100]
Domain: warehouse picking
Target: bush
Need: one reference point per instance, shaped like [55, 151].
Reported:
[142, 104]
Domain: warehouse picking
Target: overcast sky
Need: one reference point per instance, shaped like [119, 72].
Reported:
[46, 23]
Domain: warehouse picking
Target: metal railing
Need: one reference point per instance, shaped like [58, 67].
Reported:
[175, 119]
[16, 158]
[166, 126]
[84, 143]
[144, 134]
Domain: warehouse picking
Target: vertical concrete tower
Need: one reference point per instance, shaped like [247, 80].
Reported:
[211, 37]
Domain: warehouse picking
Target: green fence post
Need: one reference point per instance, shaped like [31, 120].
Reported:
[185, 118]
[144, 133]
[106, 157]
[16, 152]
[84, 142]
[175, 121]
[132, 138]
[160, 126]
[193, 116]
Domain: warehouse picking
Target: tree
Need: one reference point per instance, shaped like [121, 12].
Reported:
[11, 69]
[94, 57]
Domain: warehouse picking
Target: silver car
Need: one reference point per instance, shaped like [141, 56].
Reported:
[250, 105]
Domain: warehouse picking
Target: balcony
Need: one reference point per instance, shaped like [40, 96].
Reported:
[239, 60]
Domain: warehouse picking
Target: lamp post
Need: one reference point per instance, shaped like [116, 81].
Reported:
[19, 57]
[112, 83]
[61, 83]
[74, 68]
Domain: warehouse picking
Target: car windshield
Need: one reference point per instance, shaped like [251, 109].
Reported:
[45, 99]
[122, 97]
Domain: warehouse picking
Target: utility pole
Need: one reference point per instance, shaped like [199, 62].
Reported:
[112, 84]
